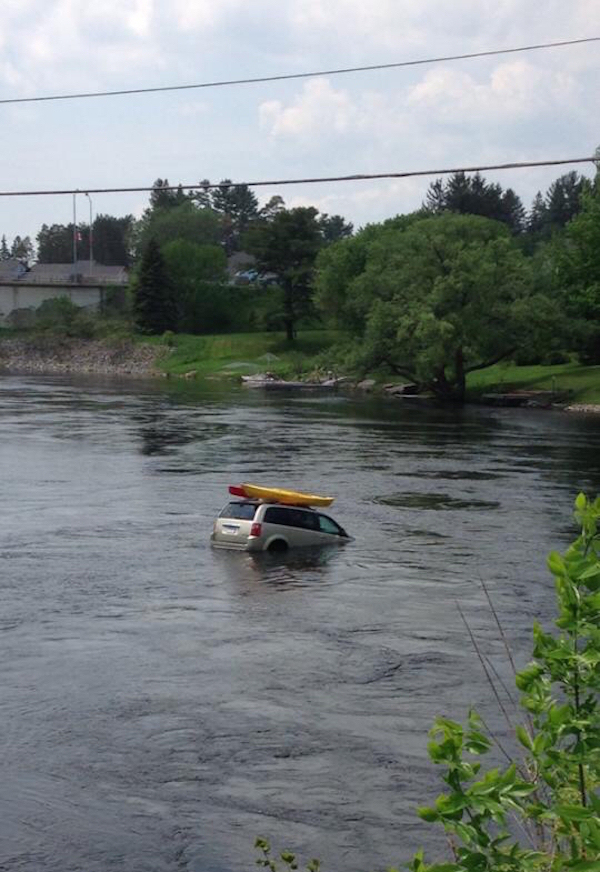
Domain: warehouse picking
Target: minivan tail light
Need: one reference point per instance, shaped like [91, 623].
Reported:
[256, 529]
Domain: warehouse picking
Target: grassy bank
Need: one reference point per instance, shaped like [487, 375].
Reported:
[235, 354]
[245, 353]
[242, 353]
[581, 382]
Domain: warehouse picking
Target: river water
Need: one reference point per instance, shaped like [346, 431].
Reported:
[162, 703]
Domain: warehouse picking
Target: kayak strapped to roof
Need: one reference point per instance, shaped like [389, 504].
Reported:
[279, 495]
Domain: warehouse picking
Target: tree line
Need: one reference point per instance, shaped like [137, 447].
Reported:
[468, 279]
[227, 211]
[287, 243]
[183, 242]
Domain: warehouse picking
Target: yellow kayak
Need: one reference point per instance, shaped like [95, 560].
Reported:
[290, 497]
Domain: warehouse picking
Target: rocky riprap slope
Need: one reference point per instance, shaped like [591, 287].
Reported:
[47, 354]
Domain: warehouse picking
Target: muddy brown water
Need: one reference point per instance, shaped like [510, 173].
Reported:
[162, 703]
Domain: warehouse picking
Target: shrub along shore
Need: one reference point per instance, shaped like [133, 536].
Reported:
[231, 355]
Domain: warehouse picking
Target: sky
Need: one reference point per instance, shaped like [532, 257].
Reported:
[528, 106]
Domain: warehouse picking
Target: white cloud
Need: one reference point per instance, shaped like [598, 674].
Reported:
[513, 89]
[390, 24]
[133, 16]
[49, 43]
[372, 201]
[203, 14]
[192, 109]
[319, 109]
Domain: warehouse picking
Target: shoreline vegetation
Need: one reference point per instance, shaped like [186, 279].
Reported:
[229, 356]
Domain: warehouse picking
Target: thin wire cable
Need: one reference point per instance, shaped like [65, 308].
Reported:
[309, 181]
[289, 76]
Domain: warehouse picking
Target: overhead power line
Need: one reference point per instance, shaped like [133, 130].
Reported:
[282, 78]
[358, 177]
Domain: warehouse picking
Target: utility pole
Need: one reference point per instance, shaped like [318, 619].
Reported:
[74, 235]
[91, 235]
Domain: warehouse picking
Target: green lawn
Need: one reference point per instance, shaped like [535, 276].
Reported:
[582, 382]
[235, 354]
[245, 353]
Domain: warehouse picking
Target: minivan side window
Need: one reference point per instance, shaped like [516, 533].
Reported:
[327, 525]
[239, 511]
[291, 518]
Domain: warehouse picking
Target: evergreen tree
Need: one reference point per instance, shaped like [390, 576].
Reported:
[22, 249]
[4, 249]
[435, 198]
[55, 243]
[238, 207]
[272, 207]
[538, 215]
[513, 211]
[563, 199]
[112, 239]
[288, 246]
[162, 198]
[334, 228]
[154, 302]
[472, 195]
[203, 195]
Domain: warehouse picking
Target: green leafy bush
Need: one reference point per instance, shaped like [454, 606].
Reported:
[60, 315]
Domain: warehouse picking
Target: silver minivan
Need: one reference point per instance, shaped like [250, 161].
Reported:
[251, 525]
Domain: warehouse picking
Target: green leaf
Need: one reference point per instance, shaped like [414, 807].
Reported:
[477, 743]
[524, 737]
[574, 812]
[580, 502]
[526, 677]
[556, 564]
[466, 832]
[584, 866]
[446, 867]
[428, 814]
[591, 572]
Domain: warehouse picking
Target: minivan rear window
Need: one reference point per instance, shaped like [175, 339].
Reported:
[239, 511]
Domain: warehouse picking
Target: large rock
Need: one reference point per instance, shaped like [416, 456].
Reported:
[403, 390]
[366, 384]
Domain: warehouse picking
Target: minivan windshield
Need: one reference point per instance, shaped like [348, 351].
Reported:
[239, 511]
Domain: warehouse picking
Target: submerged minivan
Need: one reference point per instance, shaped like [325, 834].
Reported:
[253, 525]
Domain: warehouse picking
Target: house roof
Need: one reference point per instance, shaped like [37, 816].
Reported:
[11, 269]
[239, 261]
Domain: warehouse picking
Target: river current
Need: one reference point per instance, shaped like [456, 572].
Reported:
[163, 703]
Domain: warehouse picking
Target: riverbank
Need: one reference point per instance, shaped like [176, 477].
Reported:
[52, 354]
[233, 355]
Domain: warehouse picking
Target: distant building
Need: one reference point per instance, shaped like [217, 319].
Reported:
[23, 290]
[242, 270]
[81, 272]
[239, 263]
[11, 269]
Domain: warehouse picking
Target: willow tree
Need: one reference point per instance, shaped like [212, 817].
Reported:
[434, 299]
